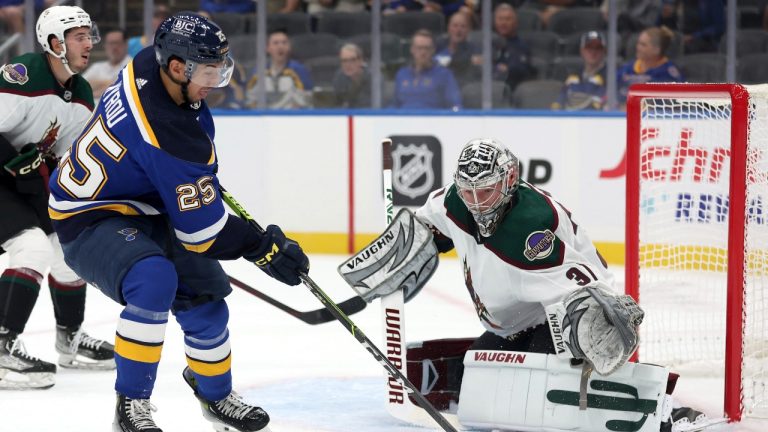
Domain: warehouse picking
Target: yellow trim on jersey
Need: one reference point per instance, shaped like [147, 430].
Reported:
[210, 369]
[137, 352]
[199, 248]
[213, 155]
[139, 109]
[120, 208]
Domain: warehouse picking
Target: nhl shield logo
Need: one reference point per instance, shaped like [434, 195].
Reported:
[413, 173]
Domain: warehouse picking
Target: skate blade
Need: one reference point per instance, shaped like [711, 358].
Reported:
[10, 380]
[84, 363]
[221, 427]
[697, 426]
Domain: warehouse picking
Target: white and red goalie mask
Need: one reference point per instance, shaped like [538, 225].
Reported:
[487, 177]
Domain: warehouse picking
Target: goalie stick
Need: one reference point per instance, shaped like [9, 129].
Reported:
[337, 313]
[313, 317]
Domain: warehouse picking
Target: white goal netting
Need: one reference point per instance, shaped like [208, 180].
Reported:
[685, 149]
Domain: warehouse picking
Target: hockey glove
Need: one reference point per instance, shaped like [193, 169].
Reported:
[596, 325]
[279, 257]
[30, 171]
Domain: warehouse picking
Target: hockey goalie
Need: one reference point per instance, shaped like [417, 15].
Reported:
[554, 356]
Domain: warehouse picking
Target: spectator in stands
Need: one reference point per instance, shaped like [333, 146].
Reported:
[136, 43]
[550, 7]
[424, 83]
[12, 14]
[103, 73]
[231, 96]
[398, 6]
[651, 63]
[456, 52]
[288, 82]
[512, 55]
[236, 6]
[450, 7]
[634, 15]
[445, 7]
[315, 7]
[586, 90]
[352, 82]
[283, 6]
[702, 22]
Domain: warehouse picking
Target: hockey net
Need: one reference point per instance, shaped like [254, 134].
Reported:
[697, 233]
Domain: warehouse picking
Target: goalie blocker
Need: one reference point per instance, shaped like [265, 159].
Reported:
[403, 257]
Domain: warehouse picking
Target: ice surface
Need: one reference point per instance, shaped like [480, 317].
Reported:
[309, 378]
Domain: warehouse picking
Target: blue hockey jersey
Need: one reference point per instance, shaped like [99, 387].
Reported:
[142, 154]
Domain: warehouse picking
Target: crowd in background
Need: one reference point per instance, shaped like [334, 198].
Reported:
[544, 53]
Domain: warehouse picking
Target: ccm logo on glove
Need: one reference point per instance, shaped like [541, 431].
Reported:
[268, 257]
[279, 257]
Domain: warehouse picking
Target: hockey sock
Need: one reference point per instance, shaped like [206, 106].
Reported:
[68, 301]
[19, 288]
[148, 288]
[206, 343]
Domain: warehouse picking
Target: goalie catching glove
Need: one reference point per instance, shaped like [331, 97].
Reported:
[594, 324]
[403, 257]
[279, 257]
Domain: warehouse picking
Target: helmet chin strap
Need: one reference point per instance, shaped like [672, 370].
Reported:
[63, 57]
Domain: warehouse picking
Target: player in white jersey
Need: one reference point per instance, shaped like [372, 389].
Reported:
[45, 103]
[539, 285]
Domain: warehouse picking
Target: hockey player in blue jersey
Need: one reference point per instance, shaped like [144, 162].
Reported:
[137, 207]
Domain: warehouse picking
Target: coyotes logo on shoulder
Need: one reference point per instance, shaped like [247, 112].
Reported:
[15, 73]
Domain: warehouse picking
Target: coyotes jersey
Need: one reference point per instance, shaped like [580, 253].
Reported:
[141, 154]
[537, 255]
[37, 109]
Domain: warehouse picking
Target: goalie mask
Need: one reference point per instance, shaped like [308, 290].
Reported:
[486, 179]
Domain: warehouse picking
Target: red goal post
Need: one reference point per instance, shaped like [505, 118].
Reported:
[697, 233]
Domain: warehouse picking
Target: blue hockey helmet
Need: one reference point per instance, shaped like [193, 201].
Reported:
[200, 44]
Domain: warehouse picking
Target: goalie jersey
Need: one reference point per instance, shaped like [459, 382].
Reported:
[140, 155]
[537, 255]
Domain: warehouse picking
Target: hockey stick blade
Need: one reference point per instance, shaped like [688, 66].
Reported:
[313, 317]
[356, 332]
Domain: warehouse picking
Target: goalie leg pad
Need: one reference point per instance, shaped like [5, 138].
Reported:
[435, 367]
[540, 392]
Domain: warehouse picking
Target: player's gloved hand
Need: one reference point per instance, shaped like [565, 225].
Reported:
[279, 257]
[30, 171]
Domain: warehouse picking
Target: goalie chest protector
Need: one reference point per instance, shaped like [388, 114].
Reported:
[536, 257]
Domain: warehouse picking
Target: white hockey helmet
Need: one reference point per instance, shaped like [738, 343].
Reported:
[56, 20]
[486, 178]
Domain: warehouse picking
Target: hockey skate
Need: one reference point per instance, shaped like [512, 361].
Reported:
[689, 420]
[78, 350]
[230, 413]
[134, 415]
[19, 370]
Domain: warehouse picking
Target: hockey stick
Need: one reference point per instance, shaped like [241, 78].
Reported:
[392, 306]
[337, 313]
[313, 317]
